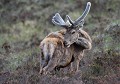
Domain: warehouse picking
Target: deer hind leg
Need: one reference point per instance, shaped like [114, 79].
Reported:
[44, 58]
[42, 65]
[51, 65]
[64, 63]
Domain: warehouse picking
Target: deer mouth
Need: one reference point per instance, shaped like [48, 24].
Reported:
[67, 44]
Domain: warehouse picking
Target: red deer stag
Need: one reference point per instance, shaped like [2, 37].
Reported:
[75, 42]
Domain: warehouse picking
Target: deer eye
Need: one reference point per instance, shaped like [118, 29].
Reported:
[73, 32]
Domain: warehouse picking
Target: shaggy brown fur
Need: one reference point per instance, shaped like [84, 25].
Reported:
[52, 49]
[76, 49]
[55, 55]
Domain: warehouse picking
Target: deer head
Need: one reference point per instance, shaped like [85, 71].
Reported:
[72, 27]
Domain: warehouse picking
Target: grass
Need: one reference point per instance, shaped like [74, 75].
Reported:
[18, 59]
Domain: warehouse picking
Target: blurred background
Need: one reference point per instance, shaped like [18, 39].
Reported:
[24, 23]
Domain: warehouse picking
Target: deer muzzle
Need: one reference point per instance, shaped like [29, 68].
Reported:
[67, 44]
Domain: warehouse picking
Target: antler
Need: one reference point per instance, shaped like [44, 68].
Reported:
[57, 20]
[82, 17]
[69, 19]
[80, 20]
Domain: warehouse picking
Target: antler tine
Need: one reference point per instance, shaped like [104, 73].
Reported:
[84, 14]
[70, 20]
[57, 20]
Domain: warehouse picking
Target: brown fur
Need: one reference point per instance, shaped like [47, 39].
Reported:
[76, 50]
[51, 55]
[62, 56]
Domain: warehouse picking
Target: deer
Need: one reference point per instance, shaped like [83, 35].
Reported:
[70, 44]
